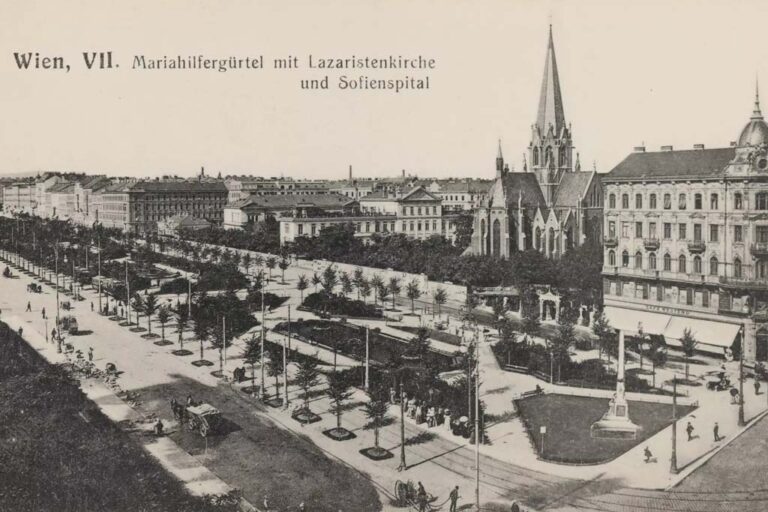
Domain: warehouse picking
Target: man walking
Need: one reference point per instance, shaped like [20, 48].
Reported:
[43, 311]
[454, 498]
[90, 354]
[91, 305]
[716, 432]
[689, 431]
[757, 386]
[29, 306]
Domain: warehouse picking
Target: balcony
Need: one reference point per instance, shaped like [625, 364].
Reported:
[759, 249]
[697, 246]
[651, 244]
[611, 241]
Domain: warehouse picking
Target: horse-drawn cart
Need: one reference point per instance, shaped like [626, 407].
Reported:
[203, 418]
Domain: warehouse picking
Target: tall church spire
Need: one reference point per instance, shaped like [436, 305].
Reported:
[551, 101]
[499, 162]
[756, 114]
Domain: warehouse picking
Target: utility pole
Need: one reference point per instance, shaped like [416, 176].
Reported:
[367, 363]
[478, 434]
[99, 263]
[742, 422]
[58, 325]
[673, 459]
[127, 294]
[261, 391]
[403, 466]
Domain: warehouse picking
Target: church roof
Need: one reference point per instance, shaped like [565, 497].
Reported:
[573, 186]
[692, 163]
[525, 183]
[550, 102]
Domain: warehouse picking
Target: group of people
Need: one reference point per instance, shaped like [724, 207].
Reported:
[422, 412]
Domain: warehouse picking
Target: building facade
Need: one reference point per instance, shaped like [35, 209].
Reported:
[550, 207]
[686, 243]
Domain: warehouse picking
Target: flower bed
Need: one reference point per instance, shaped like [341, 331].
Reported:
[338, 305]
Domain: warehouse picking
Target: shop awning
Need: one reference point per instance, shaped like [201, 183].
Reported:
[628, 320]
[718, 334]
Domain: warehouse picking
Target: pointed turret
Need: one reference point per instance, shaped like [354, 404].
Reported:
[499, 162]
[756, 114]
[550, 102]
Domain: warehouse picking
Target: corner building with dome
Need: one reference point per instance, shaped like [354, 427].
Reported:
[686, 243]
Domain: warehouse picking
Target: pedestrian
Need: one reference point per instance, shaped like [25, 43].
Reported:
[29, 306]
[689, 431]
[454, 496]
[53, 333]
[43, 313]
[648, 455]
[421, 498]
[91, 305]
[716, 432]
[515, 507]
[90, 354]
[21, 331]
[757, 386]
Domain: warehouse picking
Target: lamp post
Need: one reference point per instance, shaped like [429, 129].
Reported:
[478, 438]
[58, 325]
[742, 422]
[367, 360]
[285, 360]
[261, 391]
[673, 458]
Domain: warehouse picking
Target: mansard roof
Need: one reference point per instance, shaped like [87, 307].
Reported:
[690, 164]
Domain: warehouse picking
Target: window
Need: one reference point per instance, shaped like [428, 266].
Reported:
[682, 235]
[713, 266]
[667, 262]
[713, 202]
[652, 230]
[667, 201]
[681, 202]
[667, 231]
[612, 201]
[761, 233]
[761, 201]
[612, 229]
[697, 232]
[638, 260]
[638, 230]
[681, 264]
[639, 201]
[652, 261]
[714, 233]
[696, 265]
[738, 235]
[737, 201]
[535, 156]
[659, 293]
[697, 202]
[625, 230]
[652, 201]
[737, 267]
[419, 210]
[625, 201]
[611, 258]
[625, 259]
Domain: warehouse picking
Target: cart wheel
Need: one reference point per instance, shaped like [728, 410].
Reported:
[401, 492]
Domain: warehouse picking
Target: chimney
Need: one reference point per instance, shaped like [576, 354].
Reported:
[698, 146]
[667, 148]
[350, 173]
[639, 149]
[733, 143]
[403, 173]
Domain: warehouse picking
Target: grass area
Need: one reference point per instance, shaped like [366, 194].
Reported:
[443, 336]
[568, 420]
[60, 453]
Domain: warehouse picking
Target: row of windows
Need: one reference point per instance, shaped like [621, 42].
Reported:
[761, 201]
[417, 210]
[377, 227]
[687, 296]
[548, 155]
[682, 263]
[682, 231]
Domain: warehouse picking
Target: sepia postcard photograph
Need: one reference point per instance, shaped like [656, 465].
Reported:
[364, 256]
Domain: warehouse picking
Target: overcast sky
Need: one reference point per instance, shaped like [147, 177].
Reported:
[661, 73]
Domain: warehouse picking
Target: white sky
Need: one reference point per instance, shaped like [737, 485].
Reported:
[675, 73]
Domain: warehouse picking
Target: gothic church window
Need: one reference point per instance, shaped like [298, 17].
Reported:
[535, 156]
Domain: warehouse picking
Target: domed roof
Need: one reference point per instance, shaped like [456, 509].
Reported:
[756, 130]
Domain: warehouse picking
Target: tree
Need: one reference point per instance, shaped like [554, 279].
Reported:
[463, 232]
[376, 282]
[605, 334]
[418, 346]
[283, 264]
[375, 410]
[182, 318]
[394, 289]
[564, 339]
[202, 332]
[530, 311]
[413, 292]
[271, 261]
[383, 292]
[247, 262]
[275, 365]
[507, 338]
[301, 285]
[689, 343]
[163, 315]
[364, 289]
[346, 284]
[657, 353]
[150, 306]
[329, 278]
[138, 305]
[357, 279]
[339, 391]
[440, 296]
[307, 377]
[316, 280]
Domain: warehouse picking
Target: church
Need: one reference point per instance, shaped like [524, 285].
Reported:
[550, 207]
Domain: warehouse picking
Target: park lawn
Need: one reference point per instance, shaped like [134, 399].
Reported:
[443, 336]
[568, 420]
